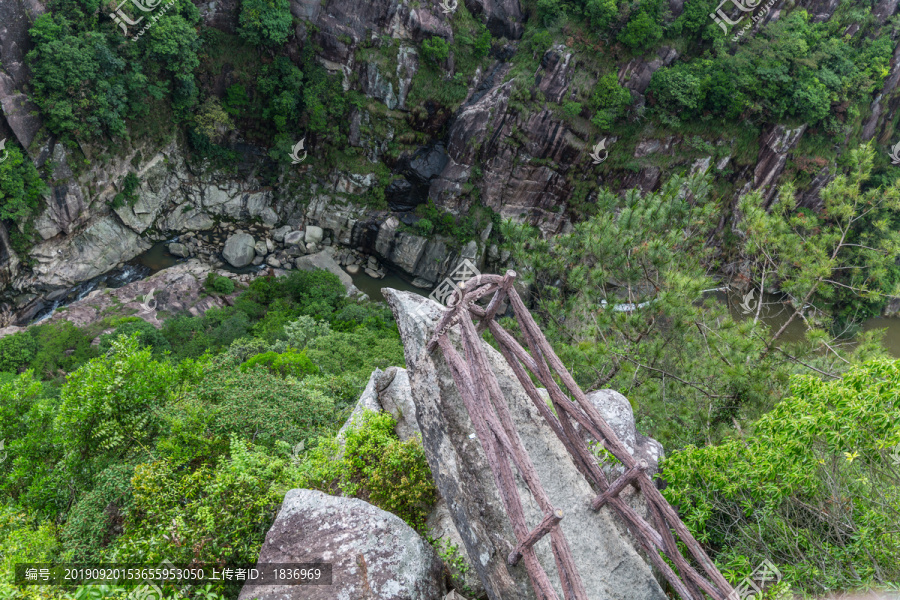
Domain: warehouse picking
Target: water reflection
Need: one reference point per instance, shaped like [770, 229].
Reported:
[775, 311]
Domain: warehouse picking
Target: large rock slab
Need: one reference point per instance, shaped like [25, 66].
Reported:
[609, 565]
[374, 554]
[325, 260]
[240, 250]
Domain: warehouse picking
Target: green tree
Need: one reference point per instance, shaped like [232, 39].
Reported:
[841, 261]
[109, 406]
[622, 298]
[265, 22]
[609, 101]
[21, 187]
[813, 488]
[435, 50]
[641, 32]
[601, 12]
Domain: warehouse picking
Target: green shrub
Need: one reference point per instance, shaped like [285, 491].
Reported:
[110, 405]
[571, 109]
[435, 50]
[63, 347]
[97, 518]
[23, 540]
[356, 353]
[293, 362]
[300, 332]
[21, 187]
[147, 335]
[424, 227]
[17, 351]
[210, 514]
[128, 196]
[219, 284]
[372, 315]
[376, 466]
[254, 405]
[265, 22]
[601, 12]
[641, 32]
[609, 100]
[813, 488]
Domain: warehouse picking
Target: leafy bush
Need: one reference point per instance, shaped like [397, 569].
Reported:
[305, 329]
[424, 227]
[97, 518]
[292, 362]
[601, 12]
[813, 488]
[212, 117]
[109, 406]
[256, 406]
[210, 514]
[17, 351]
[435, 50]
[62, 348]
[372, 315]
[376, 466]
[609, 100]
[219, 284]
[640, 32]
[21, 187]
[356, 353]
[23, 540]
[128, 195]
[265, 22]
[145, 333]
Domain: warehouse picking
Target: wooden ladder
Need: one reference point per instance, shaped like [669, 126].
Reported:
[486, 405]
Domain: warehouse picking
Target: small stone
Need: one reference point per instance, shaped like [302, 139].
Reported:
[258, 261]
[372, 274]
[261, 249]
[273, 262]
[352, 269]
[311, 247]
[270, 245]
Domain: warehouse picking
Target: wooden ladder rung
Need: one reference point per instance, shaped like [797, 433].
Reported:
[549, 522]
[619, 484]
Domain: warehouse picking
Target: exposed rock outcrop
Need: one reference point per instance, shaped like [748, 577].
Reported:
[374, 554]
[776, 143]
[609, 565]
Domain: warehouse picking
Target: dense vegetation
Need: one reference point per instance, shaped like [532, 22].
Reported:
[178, 443]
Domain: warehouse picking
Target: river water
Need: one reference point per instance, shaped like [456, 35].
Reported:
[774, 312]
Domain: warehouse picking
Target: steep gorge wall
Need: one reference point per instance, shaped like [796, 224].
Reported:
[523, 163]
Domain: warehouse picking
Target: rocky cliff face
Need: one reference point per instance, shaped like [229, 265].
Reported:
[504, 146]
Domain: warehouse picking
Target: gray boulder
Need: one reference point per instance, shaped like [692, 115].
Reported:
[292, 238]
[616, 410]
[314, 234]
[608, 563]
[374, 554]
[279, 233]
[261, 248]
[180, 250]
[239, 249]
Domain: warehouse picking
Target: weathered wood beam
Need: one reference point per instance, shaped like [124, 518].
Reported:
[549, 522]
